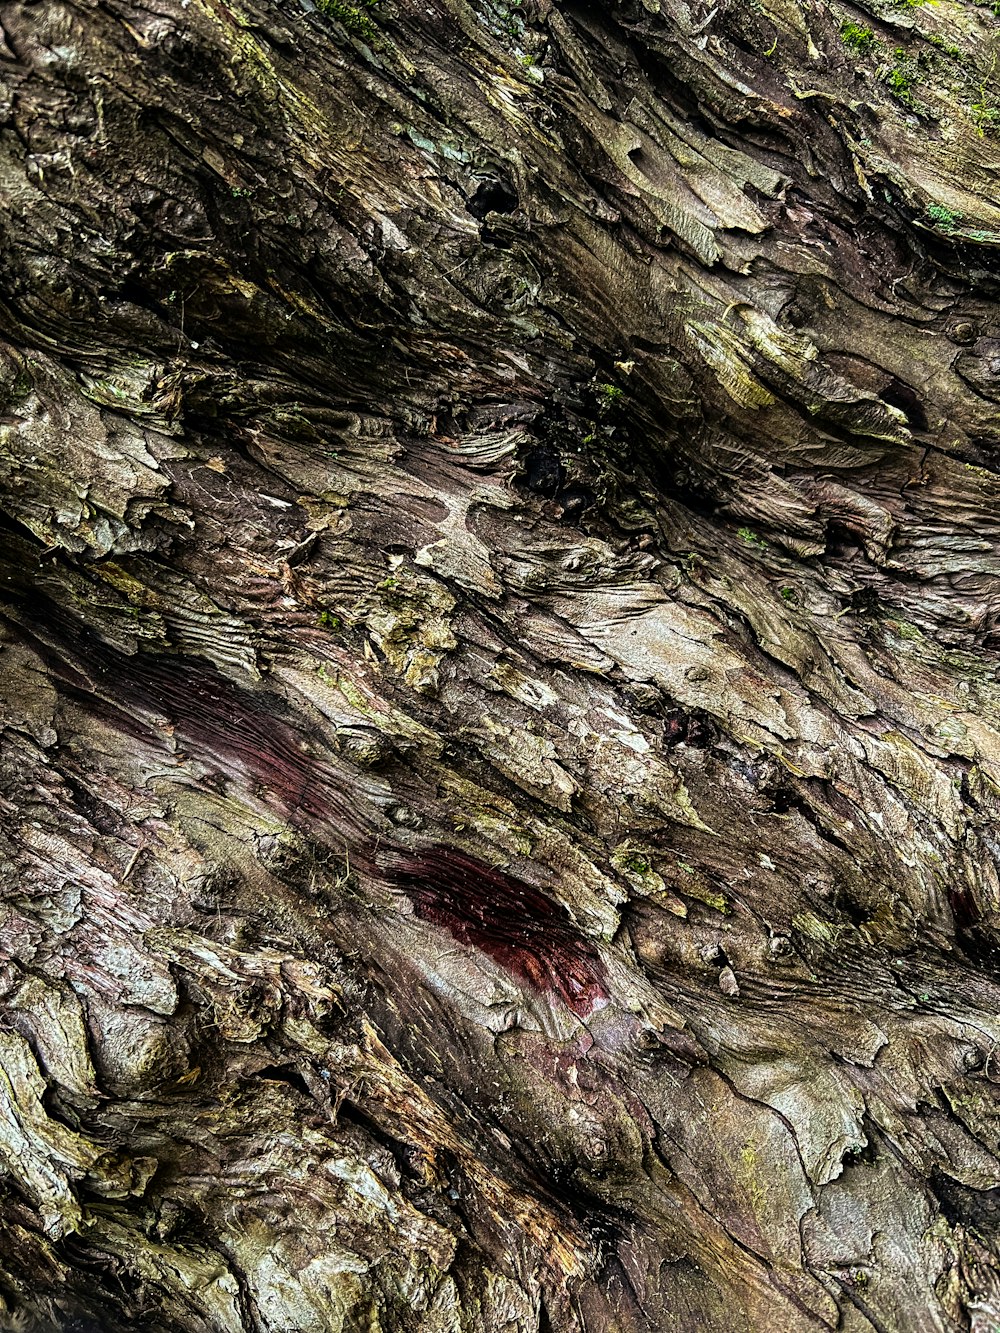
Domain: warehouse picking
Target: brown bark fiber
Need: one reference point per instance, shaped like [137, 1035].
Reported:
[499, 627]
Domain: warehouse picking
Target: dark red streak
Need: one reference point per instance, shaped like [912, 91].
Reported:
[529, 935]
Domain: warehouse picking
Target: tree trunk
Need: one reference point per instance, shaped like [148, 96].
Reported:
[499, 708]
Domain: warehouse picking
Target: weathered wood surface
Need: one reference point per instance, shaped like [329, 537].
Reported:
[499, 694]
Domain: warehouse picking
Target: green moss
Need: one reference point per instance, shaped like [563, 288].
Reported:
[904, 630]
[636, 864]
[857, 36]
[511, 23]
[608, 396]
[752, 538]
[789, 595]
[353, 17]
[985, 116]
[942, 45]
[902, 77]
[327, 620]
[943, 218]
[702, 894]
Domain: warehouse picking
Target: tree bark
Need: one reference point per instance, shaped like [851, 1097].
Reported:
[500, 758]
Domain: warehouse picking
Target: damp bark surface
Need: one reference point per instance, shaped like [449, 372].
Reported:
[499, 634]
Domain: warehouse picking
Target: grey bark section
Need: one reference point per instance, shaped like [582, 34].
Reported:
[500, 759]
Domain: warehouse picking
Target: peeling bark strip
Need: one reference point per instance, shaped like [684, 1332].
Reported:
[499, 626]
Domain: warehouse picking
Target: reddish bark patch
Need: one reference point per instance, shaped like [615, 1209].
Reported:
[209, 714]
[242, 731]
[530, 936]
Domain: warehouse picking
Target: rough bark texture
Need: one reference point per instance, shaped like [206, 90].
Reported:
[498, 715]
